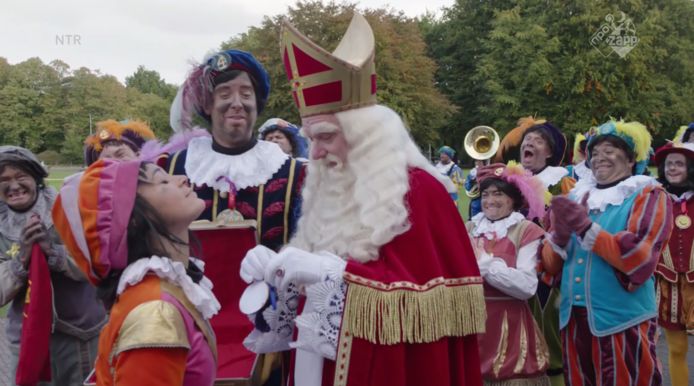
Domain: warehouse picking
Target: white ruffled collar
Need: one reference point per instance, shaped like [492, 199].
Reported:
[551, 175]
[599, 199]
[200, 295]
[205, 166]
[582, 171]
[494, 229]
[683, 197]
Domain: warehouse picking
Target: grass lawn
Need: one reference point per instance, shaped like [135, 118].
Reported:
[56, 174]
[463, 199]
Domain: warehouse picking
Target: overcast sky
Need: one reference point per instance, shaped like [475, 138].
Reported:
[163, 35]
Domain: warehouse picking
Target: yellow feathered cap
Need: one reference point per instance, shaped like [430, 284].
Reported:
[633, 133]
[133, 133]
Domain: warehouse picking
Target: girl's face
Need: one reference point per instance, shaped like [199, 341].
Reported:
[496, 204]
[171, 196]
[676, 169]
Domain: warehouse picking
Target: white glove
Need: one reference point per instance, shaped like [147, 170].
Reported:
[253, 265]
[293, 265]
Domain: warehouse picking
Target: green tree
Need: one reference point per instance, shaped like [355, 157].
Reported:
[150, 82]
[50, 107]
[405, 74]
[28, 100]
[499, 61]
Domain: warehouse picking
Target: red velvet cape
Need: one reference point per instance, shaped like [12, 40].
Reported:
[411, 317]
[34, 352]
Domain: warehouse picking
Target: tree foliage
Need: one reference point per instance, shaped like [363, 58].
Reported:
[404, 72]
[149, 82]
[52, 108]
[502, 60]
[480, 62]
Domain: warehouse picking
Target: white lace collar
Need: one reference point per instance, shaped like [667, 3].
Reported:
[494, 229]
[200, 295]
[599, 199]
[205, 166]
[551, 175]
[683, 197]
[582, 171]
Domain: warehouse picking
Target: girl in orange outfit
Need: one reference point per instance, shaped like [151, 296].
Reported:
[126, 224]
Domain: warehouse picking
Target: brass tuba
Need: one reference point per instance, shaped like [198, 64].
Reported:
[481, 143]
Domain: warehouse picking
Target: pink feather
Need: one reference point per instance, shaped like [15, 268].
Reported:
[532, 190]
[179, 141]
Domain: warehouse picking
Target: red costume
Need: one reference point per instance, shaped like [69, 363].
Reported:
[410, 317]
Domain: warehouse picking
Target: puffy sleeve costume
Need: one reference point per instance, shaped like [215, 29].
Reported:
[513, 346]
[608, 288]
[158, 331]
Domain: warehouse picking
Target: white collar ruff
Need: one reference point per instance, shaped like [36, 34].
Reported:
[494, 229]
[256, 166]
[200, 295]
[599, 199]
[683, 197]
[582, 171]
[551, 175]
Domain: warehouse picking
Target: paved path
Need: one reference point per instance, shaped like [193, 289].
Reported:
[6, 377]
[661, 349]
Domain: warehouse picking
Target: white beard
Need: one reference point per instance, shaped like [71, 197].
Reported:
[352, 210]
[330, 220]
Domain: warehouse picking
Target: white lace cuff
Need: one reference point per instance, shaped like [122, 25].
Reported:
[265, 342]
[319, 325]
[588, 240]
[556, 248]
[274, 329]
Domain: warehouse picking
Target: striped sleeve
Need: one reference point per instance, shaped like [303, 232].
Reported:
[634, 252]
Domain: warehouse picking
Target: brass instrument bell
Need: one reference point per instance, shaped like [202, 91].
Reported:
[481, 143]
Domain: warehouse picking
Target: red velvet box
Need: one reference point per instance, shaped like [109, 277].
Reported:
[223, 248]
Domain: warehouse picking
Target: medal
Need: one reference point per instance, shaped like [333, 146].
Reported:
[229, 215]
[683, 221]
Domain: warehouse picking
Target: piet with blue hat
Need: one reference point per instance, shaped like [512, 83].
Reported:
[240, 178]
[196, 91]
[298, 142]
[447, 150]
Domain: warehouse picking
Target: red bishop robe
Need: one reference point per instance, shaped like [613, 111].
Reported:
[410, 317]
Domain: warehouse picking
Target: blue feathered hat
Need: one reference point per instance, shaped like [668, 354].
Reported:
[448, 151]
[196, 92]
[299, 142]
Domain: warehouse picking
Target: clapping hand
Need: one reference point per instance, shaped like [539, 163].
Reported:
[34, 232]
